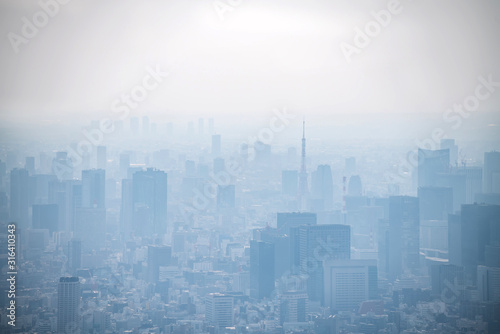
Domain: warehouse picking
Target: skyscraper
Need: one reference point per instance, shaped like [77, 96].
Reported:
[261, 269]
[303, 188]
[431, 163]
[322, 186]
[219, 309]
[404, 231]
[68, 305]
[46, 216]
[225, 197]
[311, 245]
[293, 306]
[149, 196]
[93, 188]
[21, 191]
[349, 282]
[158, 256]
[491, 173]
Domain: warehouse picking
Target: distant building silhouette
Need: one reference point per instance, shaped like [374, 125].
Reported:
[68, 305]
[261, 269]
[404, 235]
[219, 310]
[491, 173]
[430, 163]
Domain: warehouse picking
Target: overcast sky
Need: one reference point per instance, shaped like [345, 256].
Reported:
[263, 54]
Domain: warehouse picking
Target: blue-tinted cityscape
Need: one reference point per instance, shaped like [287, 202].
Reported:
[188, 169]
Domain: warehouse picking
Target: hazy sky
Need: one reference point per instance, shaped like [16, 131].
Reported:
[264, 54]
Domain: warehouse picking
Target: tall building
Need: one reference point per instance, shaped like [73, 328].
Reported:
[281, 248]
[216, 145]
[287, 220]
[431, 163]
[45, 216]
[158, 256]
[477, 228]
[293, 307]
[30, 165]
[226, 197]
[322, 186]
[124, 165]
[447, 143]
[93, 188]
[435, 203]
[68, 305]
[404, 232]
[21, 191]
[311, 245]
[261, 269]
[349, 282]
[219, 310]
[491, 172]
[488, 283]
[303, 187]
[101, 157]
[355, 187]
[149, 197]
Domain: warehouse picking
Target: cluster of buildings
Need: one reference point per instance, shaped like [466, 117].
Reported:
[163, 243]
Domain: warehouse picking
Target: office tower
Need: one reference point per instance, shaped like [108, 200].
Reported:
[447, 281]
[68, 196]
[30, 165]
[477, 227]
[101, 157]
[322, 186]
[293, 307]
[404, 234]
[430, 163]
[261, 269]
[491, 172]
[303, 188]
[46, 216]
[126, 208]
[68, 305]
[350, 166]
[290, 183]
[93, 188]
[226, 197]
[488, 283]
[355, 187]
[62, 166]
[311, 245]
[3, 175]
[219, 165]
[190, 168]
[90, 227]
[149, 197]
[219, 309]
[134, 125]
[435, 203]
[349, 282]
[124, 165]
[74, 255]
[281, 248]
[158, 256]
[287, 220]
[41, 186]
[449, 144]
[145, 125]
[216, 145]
[473, 182]
[21, 192]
